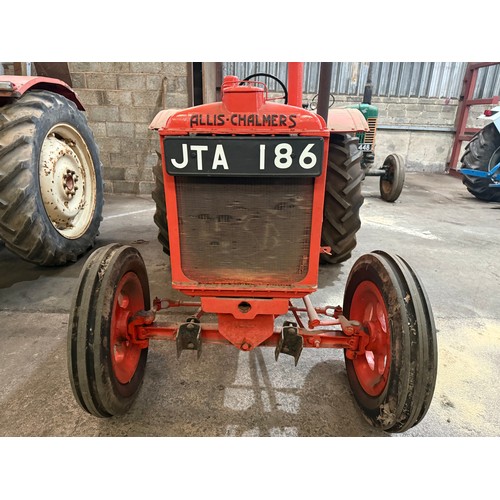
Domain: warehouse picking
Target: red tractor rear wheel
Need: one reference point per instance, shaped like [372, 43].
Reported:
[393, 380]
[106, 367]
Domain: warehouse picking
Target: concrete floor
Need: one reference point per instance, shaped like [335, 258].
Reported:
[449, 237]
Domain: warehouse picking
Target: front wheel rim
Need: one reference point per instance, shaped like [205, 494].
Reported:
[387, 179]
[125, 355]
[373, 366]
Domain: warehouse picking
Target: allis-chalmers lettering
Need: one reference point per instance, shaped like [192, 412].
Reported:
[244, 120]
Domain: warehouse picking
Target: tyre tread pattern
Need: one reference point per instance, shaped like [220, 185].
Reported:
[476, 156]
[423, 348]
[160, 216]
[88, 335]
[343, 198]
[410, 388]
[20, 204]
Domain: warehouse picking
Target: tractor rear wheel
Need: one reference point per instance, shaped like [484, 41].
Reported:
[392, 181]
[482, 153]
[106, 368]
[393, 380]
[343, 198]
[51, 188]
[160, 217]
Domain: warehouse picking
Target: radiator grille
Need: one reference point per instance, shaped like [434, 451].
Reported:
[370, 136]
[244, 231]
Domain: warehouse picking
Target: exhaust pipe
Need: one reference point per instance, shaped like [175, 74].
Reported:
[325, 80]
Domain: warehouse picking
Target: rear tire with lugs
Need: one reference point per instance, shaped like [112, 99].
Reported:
[343, 198]
[482, 153]
[51, 188]
[160, 217]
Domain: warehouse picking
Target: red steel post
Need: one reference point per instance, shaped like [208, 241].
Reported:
[462, 133]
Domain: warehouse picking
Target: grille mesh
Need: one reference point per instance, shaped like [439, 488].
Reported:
[245, 231]
[370, 136]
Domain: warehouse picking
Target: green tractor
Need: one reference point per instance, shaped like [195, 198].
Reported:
[392, 171]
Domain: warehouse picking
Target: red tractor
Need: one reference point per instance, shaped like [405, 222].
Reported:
[51, 188]
[251, 196]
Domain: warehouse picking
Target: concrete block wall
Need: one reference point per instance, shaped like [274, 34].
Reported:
[121, 99]
[420, 129]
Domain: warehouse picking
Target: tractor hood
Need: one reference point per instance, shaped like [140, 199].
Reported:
[243, 109]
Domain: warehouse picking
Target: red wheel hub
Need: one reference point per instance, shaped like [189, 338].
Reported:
[129, 299]
[372, 367]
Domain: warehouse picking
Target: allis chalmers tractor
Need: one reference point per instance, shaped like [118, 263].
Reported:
[251, 195]
[51, 189]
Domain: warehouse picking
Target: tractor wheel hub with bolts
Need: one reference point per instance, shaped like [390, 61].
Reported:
[124, 354]
[62, 182]
[62, 187]
[372, 366]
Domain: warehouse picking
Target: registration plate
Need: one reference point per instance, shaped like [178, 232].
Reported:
[248, 156]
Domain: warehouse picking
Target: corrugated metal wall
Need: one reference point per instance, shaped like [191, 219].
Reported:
[390, 79]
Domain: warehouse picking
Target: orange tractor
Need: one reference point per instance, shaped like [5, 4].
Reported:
[251, 196]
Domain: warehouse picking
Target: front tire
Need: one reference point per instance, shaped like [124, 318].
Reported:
[51, 188]
[106, 368]
[393, 380]
[392, 181]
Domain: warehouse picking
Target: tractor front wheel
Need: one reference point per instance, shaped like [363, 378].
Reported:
[106, 367]
[392, 181]
[393, 379]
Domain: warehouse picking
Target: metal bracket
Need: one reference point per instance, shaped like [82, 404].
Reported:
[290, 341]
[492, 175]
[188, 336]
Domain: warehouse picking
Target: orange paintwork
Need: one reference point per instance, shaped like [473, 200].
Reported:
[348, 121]
[244, 111]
